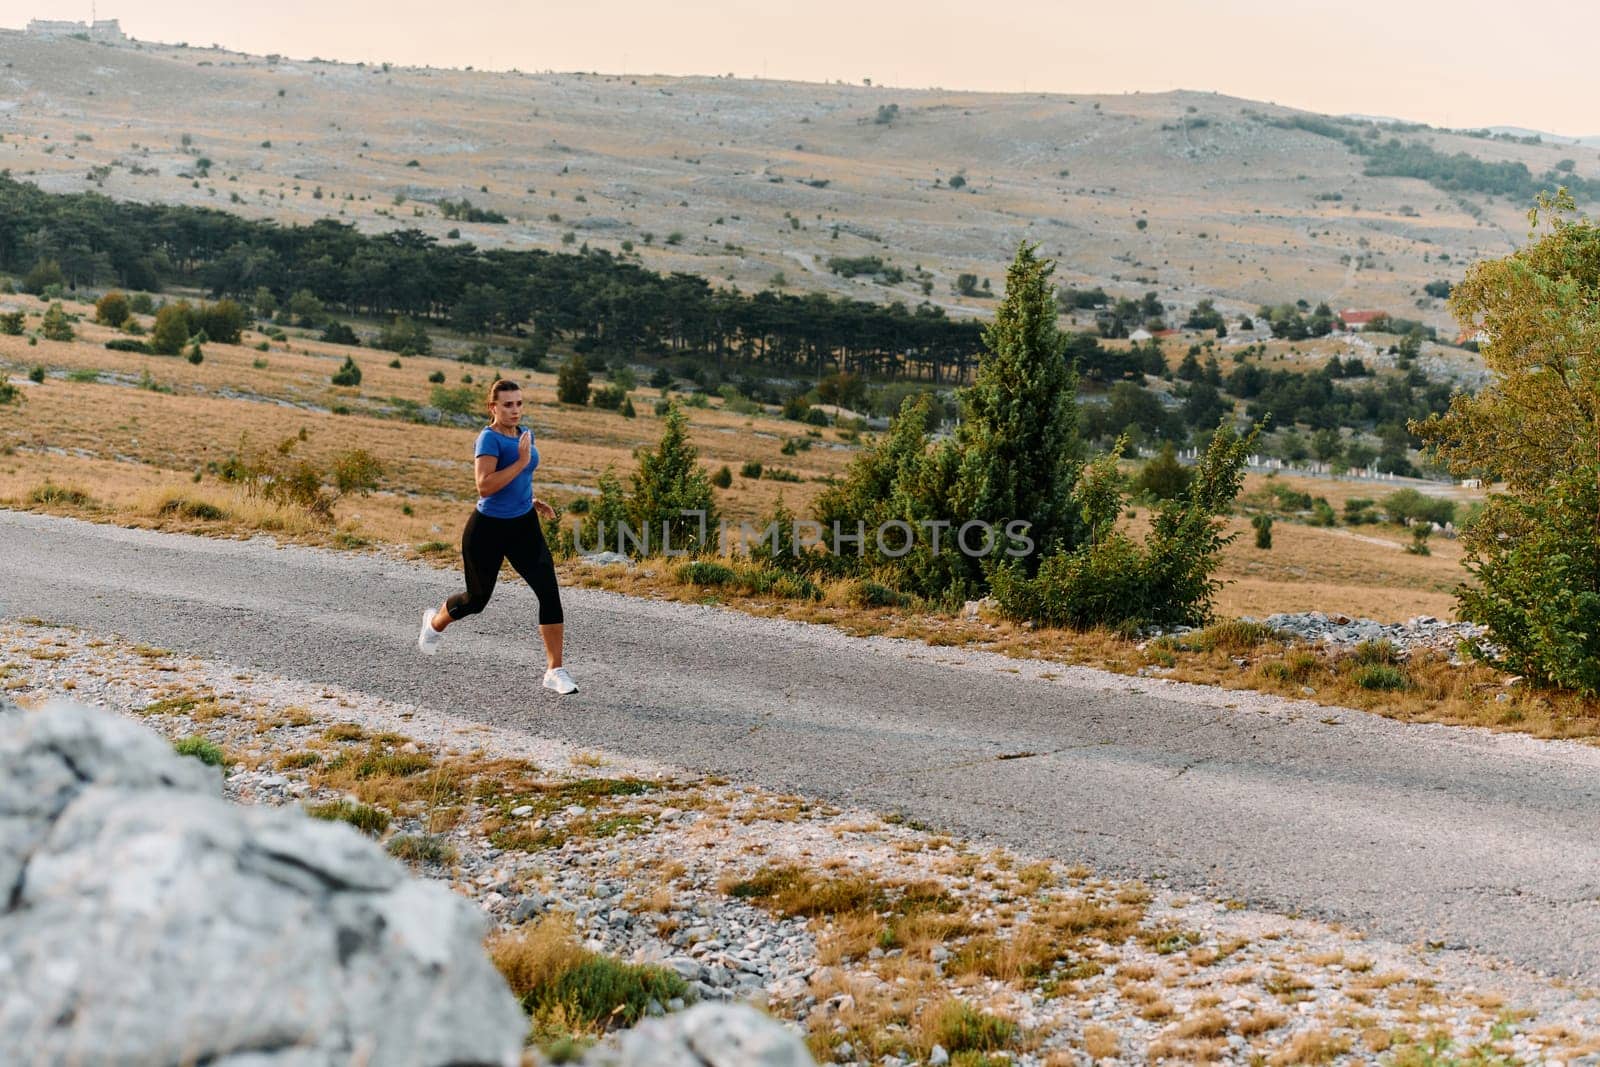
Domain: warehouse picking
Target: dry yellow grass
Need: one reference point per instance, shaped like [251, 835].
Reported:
[532, 954]
[1100, 1042]
[1310, 1047]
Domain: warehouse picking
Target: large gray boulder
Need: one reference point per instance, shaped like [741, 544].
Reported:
[144, 920]
[707, 1035]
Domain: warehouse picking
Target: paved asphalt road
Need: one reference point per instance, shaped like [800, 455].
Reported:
[1412, 833]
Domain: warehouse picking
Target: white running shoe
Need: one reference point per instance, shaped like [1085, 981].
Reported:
[428, 640]
[558, 679]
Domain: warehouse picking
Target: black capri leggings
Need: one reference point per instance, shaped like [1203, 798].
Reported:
[485, 543]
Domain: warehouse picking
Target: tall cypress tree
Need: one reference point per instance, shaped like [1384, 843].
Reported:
[1018, 440]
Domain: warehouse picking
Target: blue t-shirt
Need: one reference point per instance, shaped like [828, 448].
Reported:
[515, 498]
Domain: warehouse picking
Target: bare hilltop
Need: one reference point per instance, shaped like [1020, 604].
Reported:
[764, 184]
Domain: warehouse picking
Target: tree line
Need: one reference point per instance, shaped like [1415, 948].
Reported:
[594, 301]
[1454, 172]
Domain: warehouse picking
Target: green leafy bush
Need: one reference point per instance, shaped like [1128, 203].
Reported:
[458, 400]
[112, 309]
[609, 398]
[1533, 551]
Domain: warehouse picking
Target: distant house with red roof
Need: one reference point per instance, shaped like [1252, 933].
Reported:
[1357, 319]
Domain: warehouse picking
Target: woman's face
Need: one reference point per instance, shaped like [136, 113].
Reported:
[507, 407]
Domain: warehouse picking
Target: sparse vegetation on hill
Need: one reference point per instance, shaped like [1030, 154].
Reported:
[1451, 172]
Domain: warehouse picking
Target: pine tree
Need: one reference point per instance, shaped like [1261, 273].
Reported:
[572, 381]
[670, 481]
[56, 326]
[1018, 440]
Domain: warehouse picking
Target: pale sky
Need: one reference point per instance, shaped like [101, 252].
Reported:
[1460, 63]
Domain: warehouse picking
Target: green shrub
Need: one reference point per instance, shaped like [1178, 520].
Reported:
[669, 481]
[865, 593]
[50, 493]
[12, 323]
[128, 344]
[36, 374]
[192, 509]
[172, 329]
[437, 377]
[960, 1027]
[1419, 540]
[112, 309]
[201, 749]
[363, 817]
[423, 848]
[1358, 511]
[609, 398]
[339, 333]
[778, 474]
[750, 469]
[722, 478]
[348, 373]
[701, 572]
[1263, 527]
[221, 322]
[1162, 477]
[55, 325]
[1407, 506]
[572, 381]
[1107, 580]
[601, 991]
[460, 400]
[1380, 676]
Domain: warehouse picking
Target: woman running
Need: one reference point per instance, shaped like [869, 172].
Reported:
[505, 525]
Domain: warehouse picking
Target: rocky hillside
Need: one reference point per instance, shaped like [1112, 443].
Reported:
[762, 183]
